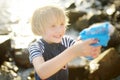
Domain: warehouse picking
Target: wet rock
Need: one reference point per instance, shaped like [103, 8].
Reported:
[116, 17]
[21, 57]
[114, 41]
[109, 66]
[8, 71]
[104, 2]
[5, 47]
[74, 15]
[96, 18]
[31, 76]
[81, 23]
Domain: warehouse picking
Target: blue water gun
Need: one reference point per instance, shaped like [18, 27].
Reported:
[97, 31]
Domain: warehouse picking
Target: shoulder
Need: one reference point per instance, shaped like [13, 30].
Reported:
[67, 41]
[37, 44]
[35, 49]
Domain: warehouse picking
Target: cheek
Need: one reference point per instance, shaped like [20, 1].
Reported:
[48, 33]
[64, 29]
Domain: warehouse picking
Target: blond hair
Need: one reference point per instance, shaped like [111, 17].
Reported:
[43, 17]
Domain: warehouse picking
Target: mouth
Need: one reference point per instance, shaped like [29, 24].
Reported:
[58, 37]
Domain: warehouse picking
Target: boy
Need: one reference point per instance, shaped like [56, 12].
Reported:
[50, 54]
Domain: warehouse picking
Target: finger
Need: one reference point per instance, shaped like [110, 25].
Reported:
[92, 41]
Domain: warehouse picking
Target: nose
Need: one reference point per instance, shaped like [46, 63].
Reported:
[60, 29]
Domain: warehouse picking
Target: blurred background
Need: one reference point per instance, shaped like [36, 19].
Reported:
[16, 35]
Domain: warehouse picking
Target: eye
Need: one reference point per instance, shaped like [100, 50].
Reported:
[53, 26]
[62, 24]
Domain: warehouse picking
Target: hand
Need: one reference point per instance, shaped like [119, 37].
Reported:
[84, 48]
[96, 51]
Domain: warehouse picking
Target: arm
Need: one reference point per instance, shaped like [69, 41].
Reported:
[50, 67]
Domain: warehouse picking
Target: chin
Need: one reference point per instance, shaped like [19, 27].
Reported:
[58, 41]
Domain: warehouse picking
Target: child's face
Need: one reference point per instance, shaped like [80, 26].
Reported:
[54, 33]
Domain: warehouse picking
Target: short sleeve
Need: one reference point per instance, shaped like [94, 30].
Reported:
[35, 49]
[67, 41]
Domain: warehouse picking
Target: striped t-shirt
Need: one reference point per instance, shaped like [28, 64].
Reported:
[37, 48]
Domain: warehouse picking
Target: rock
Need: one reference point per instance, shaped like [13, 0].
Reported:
[109, 67]
[5, 47]
[114, 41]
[21, 57]
[73, 15]
[98, 18]
[7, 71]
[81, 23]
